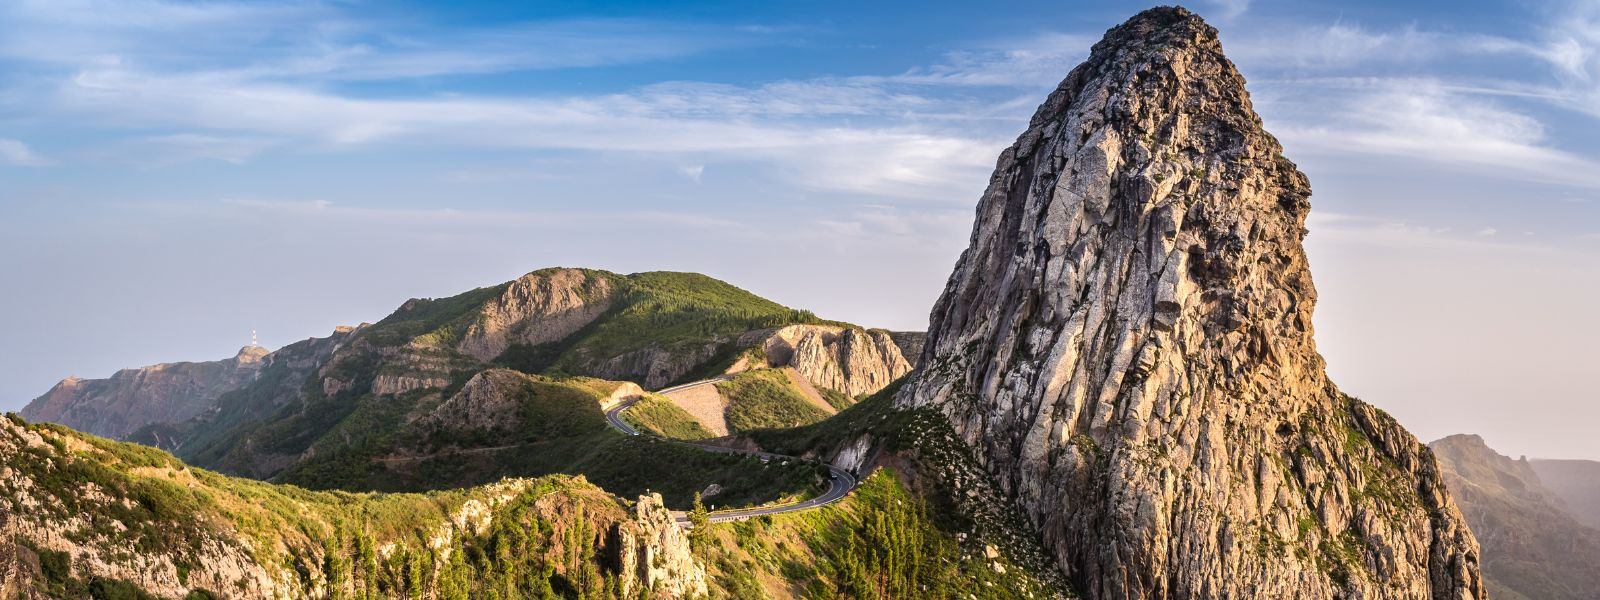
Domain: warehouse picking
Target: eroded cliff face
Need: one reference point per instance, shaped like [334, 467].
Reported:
[1127, 346]
[132, 398]
[537, 308]
[653, 554]
[845, 359]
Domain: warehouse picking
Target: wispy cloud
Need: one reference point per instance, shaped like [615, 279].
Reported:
[317, 40]
[1229, 9]
[330, 211]
[771, 124]
[14, 152]
[1424, 121]
[1038, 60]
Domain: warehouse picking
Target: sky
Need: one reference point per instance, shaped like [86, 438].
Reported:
[174, 175]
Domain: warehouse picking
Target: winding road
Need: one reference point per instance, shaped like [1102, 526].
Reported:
[840, 481]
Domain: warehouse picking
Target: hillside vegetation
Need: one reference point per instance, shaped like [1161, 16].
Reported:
[98, 518]
[658, 416]
[766, 399]
[326, 419]
[884, 541]
[543, 426]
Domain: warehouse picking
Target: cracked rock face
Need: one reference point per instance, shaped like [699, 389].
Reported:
[654, 554]
[1127, 347]
[845, 359]
[540, 307]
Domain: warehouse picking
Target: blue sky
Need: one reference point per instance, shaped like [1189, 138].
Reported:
[173, 175]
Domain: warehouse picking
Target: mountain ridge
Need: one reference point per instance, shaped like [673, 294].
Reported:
[1533, 546]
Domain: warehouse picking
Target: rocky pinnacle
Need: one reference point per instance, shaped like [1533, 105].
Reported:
[1127, 347]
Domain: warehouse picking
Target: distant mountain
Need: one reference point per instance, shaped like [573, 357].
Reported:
[1533, 547]
[1577, 482]
[132, 398]
[360, 409]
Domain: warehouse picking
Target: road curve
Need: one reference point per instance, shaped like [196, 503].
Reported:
[840, 481]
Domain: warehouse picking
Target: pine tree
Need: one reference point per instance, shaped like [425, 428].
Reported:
[335, 565]
[454, 577]
[699, 523]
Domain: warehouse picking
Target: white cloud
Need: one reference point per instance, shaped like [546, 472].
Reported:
[328, 210]
[1039, 60]
[316, 40]
[1425, 121]
[16, 153]
[162, 150]
[892, 158]
[1228, 9]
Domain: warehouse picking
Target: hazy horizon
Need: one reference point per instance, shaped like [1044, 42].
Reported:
[173, 176]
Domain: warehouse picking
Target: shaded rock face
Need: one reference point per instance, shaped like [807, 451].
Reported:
[1533, 547]
[845, 359]
[1127, 346]
[655, 367]
[653, 554]
[132, 398]
[487, 402]
[537, 308]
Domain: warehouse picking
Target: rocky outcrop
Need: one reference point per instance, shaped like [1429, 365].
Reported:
[34, 522]
[844, 359]
[655, 367]
[1127, 346]
[624, 391]
[1532, 546]
[910, 342]
[488, 402]
[540, 307]
[132, 398]
[390, 384]
[653, 554]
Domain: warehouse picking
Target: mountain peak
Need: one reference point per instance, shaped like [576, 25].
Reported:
[1127, 344]
[251, 354]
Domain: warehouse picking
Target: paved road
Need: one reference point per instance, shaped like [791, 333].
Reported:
[840, 481]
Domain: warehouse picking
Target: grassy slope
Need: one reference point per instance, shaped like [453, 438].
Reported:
[873, 415]
[839, 400]
[664, 310]
[766, 399]
[655, 309]
[884, 541]
[560, 430]
[659, 416]
[960, 496]
[147, 502]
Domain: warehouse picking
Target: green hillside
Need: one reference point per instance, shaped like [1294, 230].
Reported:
[142, 514]
[766, 399]
[556, 426]
[658, 416]
[358, 399]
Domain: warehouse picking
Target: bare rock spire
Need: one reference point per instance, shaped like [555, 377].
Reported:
[1127, 346]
